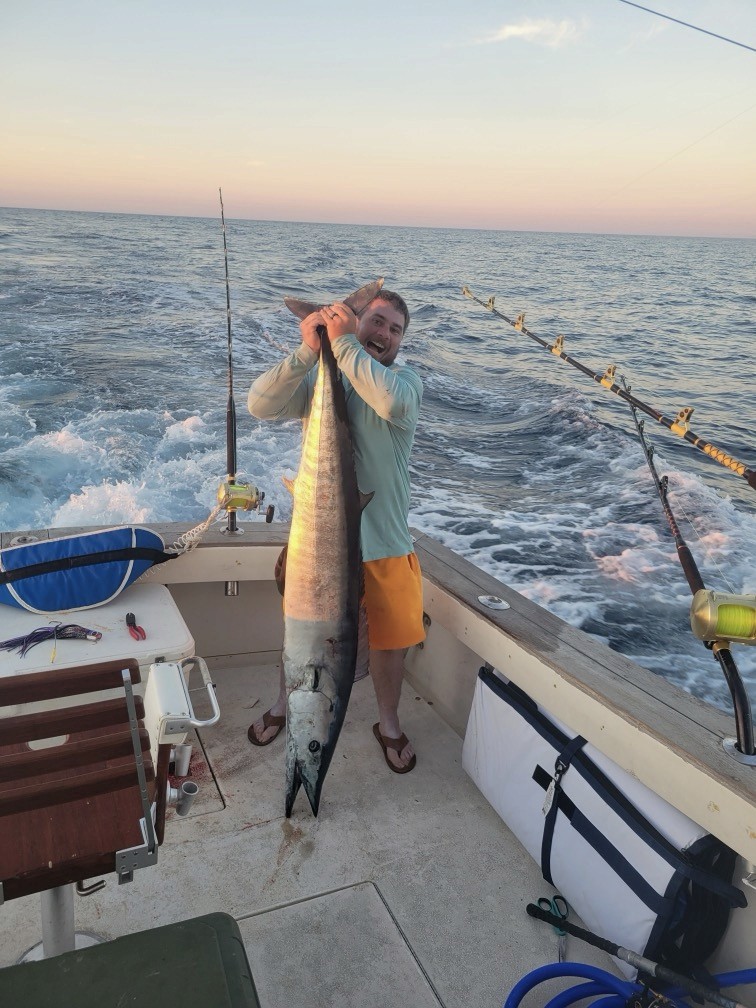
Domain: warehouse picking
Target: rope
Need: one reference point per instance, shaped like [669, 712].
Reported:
[687, 24]
[190, 540]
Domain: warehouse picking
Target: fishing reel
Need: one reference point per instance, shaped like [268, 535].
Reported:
[719, 616]
[233, 496]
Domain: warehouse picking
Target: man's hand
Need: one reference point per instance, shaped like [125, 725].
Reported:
[309, 329]
[340, 320]
[337, 318]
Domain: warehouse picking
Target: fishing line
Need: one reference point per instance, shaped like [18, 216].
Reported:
[671, 157]
[687, 24]
[277, 346]
[681, 507]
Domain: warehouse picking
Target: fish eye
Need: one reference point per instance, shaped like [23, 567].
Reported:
[314, 746]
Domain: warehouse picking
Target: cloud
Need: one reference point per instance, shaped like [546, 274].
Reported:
[543, 32]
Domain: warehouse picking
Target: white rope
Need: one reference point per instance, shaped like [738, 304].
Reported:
[190, 540]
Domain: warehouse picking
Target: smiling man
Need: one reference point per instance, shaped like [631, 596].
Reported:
[383, 402]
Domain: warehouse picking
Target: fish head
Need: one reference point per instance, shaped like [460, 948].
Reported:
[310, 742]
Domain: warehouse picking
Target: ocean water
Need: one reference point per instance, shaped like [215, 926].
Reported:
[113, 394]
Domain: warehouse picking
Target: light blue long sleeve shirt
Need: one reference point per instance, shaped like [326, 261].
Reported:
[383, 404]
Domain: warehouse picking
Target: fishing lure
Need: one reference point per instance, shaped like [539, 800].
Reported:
[55, 632]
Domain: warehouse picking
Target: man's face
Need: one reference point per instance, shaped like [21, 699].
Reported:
[380, 330]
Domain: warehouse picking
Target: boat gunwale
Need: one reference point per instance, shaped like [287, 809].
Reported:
[634, 698]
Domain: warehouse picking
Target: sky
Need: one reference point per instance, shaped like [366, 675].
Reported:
[541, 115]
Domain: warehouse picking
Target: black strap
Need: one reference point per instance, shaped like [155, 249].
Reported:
[561, 766]
[156, 556]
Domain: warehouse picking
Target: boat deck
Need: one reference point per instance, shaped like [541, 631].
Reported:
[407, 890]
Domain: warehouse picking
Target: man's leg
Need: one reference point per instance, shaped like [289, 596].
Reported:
[258, 729]
[387, 673]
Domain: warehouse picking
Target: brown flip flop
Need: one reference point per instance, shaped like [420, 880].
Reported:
[397, 744]
[269, 721]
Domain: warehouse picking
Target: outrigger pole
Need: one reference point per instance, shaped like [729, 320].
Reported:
[720, 648]
[678, 426]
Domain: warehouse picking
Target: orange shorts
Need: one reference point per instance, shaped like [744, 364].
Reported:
[394, 602]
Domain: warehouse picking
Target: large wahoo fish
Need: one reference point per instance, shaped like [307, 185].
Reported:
[323, 576]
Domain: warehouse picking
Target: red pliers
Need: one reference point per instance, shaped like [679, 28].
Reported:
[136, 631]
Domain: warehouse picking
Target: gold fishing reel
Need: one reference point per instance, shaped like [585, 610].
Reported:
[233, 496]
[719, 616]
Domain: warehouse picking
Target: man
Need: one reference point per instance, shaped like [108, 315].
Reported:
[383, 401]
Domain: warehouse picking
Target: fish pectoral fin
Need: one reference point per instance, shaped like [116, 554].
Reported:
[289, 484]
[362, 661]
[301, 308]
[365, 499]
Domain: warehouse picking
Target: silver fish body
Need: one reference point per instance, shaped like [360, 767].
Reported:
[323, 588]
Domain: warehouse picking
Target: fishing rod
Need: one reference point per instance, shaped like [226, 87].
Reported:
[678, 426]
[234, 496]
[639, 962]
[715, 618]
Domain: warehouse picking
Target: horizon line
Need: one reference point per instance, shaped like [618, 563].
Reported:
[415, 227]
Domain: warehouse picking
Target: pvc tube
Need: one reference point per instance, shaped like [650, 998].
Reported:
[182, 756]
[182, 798]
[187, 794]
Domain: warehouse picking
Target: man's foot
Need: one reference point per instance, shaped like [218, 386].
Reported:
[264, 731]
[396, 751]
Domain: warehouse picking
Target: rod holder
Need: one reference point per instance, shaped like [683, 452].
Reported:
[182, 798]
[231, 589]
[182, 754]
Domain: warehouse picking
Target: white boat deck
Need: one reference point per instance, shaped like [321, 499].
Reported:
[407, 891]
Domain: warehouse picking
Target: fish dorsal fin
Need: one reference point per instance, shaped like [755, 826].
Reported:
[289, 484]
[365, 499]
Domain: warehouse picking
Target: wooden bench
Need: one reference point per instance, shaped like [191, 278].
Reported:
[77, 784]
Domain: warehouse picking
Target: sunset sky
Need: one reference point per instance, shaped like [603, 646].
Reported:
[556, 115]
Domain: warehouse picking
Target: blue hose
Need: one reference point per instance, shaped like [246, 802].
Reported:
[578, 993]
[592, 989]
[552, 970]
[614, 993]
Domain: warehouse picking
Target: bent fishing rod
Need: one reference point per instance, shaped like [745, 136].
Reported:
[678, 426]
[716, 619]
